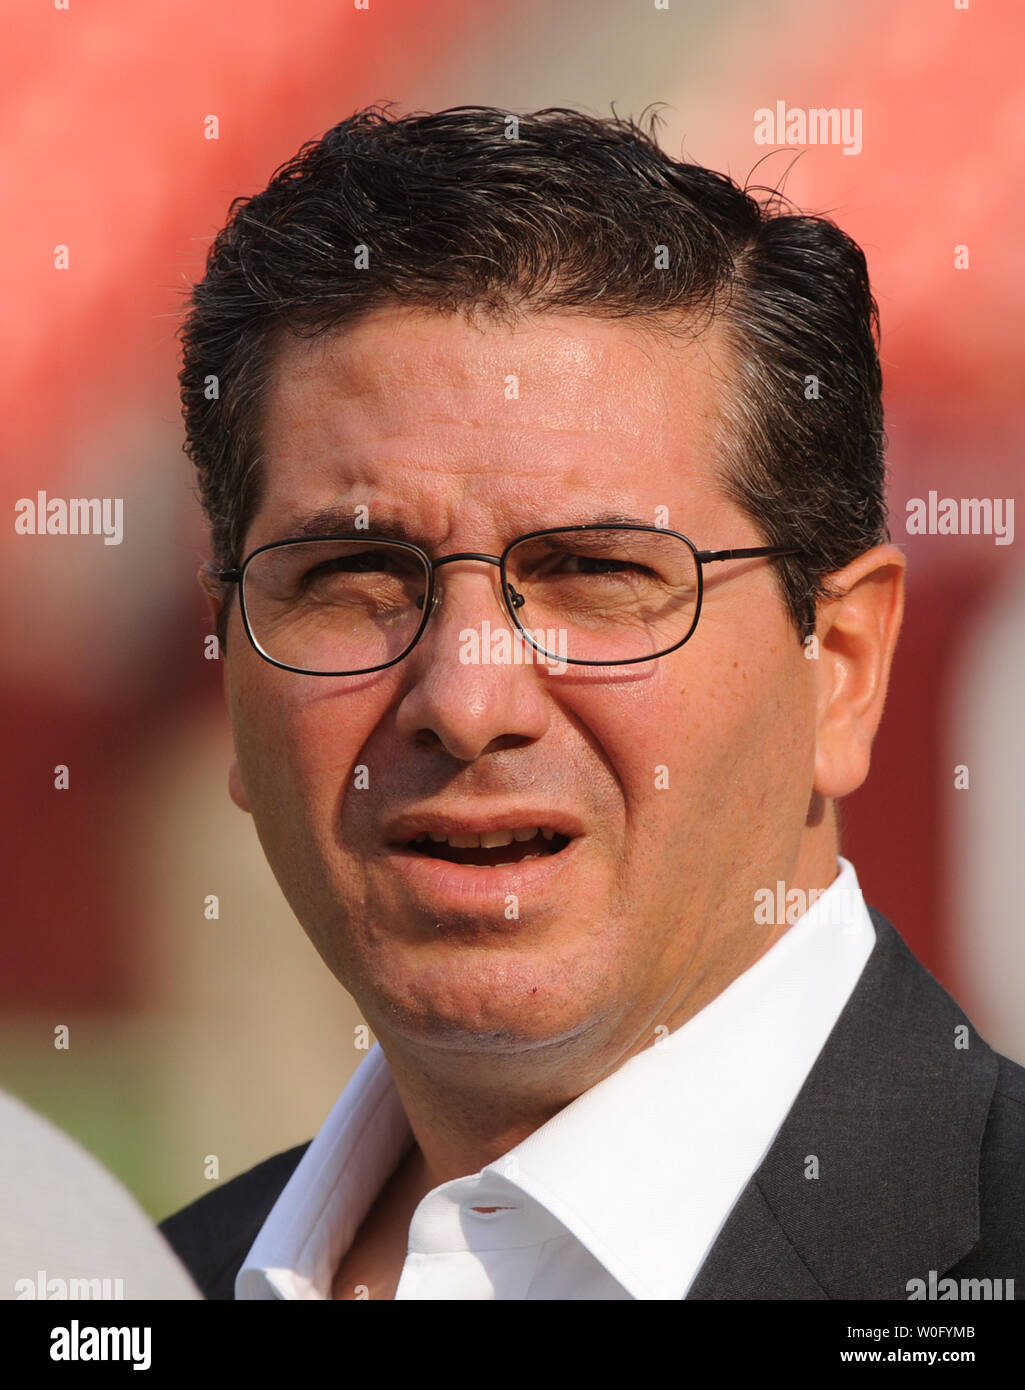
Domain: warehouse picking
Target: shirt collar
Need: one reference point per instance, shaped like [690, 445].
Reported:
[644, 1168]
[334, 1185]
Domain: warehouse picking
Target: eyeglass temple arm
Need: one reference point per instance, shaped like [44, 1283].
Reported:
[708, 557]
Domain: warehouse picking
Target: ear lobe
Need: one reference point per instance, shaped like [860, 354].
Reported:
[236, 790]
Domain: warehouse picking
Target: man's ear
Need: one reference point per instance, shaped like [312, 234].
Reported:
[211, 586]
[857, 635]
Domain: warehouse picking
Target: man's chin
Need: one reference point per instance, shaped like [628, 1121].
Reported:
[485, 1019]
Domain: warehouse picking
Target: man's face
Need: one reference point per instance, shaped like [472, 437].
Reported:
[684, 782]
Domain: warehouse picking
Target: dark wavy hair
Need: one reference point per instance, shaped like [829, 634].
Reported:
[476, 209]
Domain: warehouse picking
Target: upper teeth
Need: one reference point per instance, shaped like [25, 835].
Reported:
[487, 839]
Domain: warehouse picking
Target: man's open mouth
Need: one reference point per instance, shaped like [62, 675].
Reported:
[490, 849]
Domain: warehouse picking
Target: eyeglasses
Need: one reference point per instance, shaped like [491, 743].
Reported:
[601, 595]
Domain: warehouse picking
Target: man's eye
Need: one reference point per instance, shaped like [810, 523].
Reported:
[591, 564]
[569, 565]
[363, 563]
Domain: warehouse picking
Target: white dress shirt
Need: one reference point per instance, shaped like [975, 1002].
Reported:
[621, 1194]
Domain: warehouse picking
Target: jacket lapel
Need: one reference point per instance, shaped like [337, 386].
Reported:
[891, 1119]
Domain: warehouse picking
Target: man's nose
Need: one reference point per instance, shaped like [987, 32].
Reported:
[472, 684]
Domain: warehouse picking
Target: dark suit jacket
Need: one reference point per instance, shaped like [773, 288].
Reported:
[920, 1145]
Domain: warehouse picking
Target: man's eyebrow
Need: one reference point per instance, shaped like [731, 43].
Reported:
[339, 521]
[616, 519]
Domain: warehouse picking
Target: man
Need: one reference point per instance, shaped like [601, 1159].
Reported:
[545, 477]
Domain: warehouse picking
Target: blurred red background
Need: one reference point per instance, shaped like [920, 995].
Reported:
[106, 108]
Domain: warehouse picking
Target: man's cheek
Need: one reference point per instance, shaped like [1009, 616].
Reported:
[271, 774]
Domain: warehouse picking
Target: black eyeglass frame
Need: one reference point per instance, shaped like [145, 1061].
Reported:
[511, 599]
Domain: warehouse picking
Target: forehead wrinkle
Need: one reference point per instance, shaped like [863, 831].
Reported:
[368, 372]
[546, 418]
[337, 519]
[363, 369]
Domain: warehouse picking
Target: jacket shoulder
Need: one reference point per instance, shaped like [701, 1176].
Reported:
[212, 1235]
[998, 1158]
[1000, 1253]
